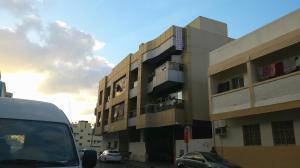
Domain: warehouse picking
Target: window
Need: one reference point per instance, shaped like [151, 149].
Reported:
[100, 98]
[251, 135]
[283, 132]
[119, 86]
[99, 119]
[223, 87]
[107, 94]
[118, 112]
[108, 145]
[237, 82]
[81, 130]
[80, 137]
[88, 141]
[80, 144]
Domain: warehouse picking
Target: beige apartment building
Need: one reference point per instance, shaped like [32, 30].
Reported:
[85, 137]
[152, 95]
[254, 95]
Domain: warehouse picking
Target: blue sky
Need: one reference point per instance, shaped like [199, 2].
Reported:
[62, 48]
[123, 25]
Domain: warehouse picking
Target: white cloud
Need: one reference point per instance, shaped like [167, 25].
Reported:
[67, 55]
[98, 45]
[63, 55]
[19, 7]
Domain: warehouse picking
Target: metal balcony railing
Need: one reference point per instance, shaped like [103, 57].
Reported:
[158, 107]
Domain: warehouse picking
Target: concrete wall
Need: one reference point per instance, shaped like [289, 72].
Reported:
[203, 145]
[138, 151]
[199, 42]
[232, 148]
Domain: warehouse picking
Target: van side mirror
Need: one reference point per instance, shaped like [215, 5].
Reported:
[89, 159]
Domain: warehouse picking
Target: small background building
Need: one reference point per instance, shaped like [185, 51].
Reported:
[84, 136]
[3, 92]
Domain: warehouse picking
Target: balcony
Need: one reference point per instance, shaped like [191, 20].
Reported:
[154, 108]
[233, 100]
[133, 90]
[275, 94]
[107, 105]
[170, 74]
[159, 115]
[172, 45]
[134, 65]
[277, 90]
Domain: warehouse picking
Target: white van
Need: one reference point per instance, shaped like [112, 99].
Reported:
[36, 134]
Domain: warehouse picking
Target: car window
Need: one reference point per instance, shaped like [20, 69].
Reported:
[34, 140]
[198, 157]
[189, 155]
[194, 156]
[213, 158]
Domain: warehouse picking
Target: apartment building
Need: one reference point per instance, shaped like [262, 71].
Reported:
[85, 137]
[152, 95]
[254, 95]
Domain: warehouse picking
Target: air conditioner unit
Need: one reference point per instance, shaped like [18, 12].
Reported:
[221, 131]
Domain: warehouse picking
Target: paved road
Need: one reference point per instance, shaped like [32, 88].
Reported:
[133, 165]
[111, 165]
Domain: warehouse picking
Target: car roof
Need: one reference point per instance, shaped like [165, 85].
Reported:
[13, 108]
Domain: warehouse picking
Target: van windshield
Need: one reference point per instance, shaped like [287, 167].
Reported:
[42, 142]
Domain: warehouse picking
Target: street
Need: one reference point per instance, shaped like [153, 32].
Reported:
[111, 165]
[133, 165]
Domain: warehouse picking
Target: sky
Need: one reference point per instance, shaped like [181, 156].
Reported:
[58, 50]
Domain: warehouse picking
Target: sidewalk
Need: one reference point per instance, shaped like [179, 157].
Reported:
[135, 164]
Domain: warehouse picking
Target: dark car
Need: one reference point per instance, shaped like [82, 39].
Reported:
[203, 160]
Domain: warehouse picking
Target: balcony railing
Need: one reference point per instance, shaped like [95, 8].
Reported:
[232, 100]
[158, 107]
[175, 41]
[277, 90]
[168, 72]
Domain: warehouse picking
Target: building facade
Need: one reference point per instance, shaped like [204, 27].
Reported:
[152, 95]
[85, 137]
[254, 96]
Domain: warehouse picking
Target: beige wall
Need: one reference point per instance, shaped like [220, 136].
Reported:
[199, 42]
[203, 145]
[138, 151]
[232, 146]
[234, 136]
[262, 157]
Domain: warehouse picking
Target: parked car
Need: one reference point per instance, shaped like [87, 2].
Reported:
[203, 160]
[110, 155]
[37, 134]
